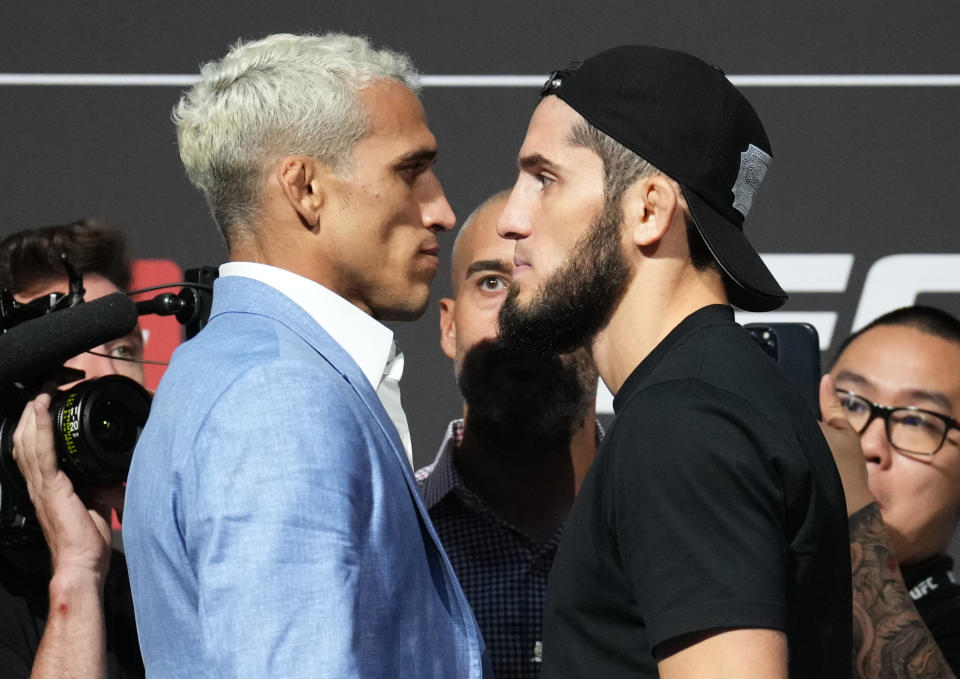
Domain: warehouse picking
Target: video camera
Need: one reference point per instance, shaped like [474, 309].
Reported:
[96, 423]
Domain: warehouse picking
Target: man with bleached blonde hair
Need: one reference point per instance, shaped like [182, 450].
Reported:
[274, 528]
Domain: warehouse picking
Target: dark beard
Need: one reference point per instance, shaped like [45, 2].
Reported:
[577, 300]
[523, 403]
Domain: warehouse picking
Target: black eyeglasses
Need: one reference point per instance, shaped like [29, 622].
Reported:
[912, 430]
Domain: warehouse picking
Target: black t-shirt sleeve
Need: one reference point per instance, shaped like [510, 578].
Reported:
[942, 617]
[20, 627]
[123, 648]
[12, 665]
[949, 642]
[698, 511]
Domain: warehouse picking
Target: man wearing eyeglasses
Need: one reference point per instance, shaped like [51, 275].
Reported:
[898, 381]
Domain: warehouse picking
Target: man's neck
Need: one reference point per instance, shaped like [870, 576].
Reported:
[649, 310]
[279, 253]
[532, 490]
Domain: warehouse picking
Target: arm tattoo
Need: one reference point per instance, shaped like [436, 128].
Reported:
[890, 639]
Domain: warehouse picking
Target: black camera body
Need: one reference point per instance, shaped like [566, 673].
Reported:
[95, 428]
[96, 423]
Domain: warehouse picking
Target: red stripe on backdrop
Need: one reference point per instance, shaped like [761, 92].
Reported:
[161, 334]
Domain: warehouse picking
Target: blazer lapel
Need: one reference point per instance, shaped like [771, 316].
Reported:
[246, 295]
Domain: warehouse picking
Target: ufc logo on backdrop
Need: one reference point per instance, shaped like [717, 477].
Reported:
[893, 281]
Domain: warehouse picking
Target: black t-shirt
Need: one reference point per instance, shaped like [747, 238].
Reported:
[936, 595]
[24, 603]
[714, 502]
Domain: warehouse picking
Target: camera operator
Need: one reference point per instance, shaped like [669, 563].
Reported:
[65, 606]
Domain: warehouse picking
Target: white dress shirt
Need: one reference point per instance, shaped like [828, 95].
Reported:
[367, 341]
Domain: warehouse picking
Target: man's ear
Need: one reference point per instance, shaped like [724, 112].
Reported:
[648, 208]
[448, 328]
[301, 180]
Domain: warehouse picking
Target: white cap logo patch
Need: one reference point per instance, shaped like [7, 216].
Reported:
[754, 163]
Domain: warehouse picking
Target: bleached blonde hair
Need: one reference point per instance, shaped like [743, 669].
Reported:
[266, 99]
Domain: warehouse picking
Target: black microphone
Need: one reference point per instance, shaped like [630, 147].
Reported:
[43, 344]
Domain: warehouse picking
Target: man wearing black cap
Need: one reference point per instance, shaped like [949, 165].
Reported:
[710, 536]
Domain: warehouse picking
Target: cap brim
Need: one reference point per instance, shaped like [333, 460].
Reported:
[750, 285]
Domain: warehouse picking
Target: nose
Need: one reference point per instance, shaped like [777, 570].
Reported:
[436, 211]
[876, 447]
[514, 222]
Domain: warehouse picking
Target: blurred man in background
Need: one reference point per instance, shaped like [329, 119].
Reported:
[898, 382]
[503, 482]
[65, 605]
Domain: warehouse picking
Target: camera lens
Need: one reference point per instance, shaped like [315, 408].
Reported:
[110, 427]
[97, 424]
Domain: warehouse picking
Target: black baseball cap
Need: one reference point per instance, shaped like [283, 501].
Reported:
[684, 117]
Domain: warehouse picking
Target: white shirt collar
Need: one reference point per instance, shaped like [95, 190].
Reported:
[368, 342]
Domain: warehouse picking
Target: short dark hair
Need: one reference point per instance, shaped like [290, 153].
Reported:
[927, 319]
[621, 168]
[31, 257]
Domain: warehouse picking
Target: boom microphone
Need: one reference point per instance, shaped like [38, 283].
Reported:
[43, 344]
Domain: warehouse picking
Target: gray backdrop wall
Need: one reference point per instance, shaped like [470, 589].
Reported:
[864, 168]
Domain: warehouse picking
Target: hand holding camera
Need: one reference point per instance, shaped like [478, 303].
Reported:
[77, 534]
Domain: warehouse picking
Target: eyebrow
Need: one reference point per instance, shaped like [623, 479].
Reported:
[498, 265]
[853, 377]
[535, 160]
[419, 155]
[937, 397]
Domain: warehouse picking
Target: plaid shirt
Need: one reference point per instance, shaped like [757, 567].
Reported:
[502, 571]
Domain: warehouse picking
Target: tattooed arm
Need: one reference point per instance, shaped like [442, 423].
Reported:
[890, 639]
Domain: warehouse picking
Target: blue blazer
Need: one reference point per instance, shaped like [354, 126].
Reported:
[273, 525]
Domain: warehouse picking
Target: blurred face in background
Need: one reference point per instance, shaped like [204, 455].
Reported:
[515, 399]
[918, 495]
[110, 358]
